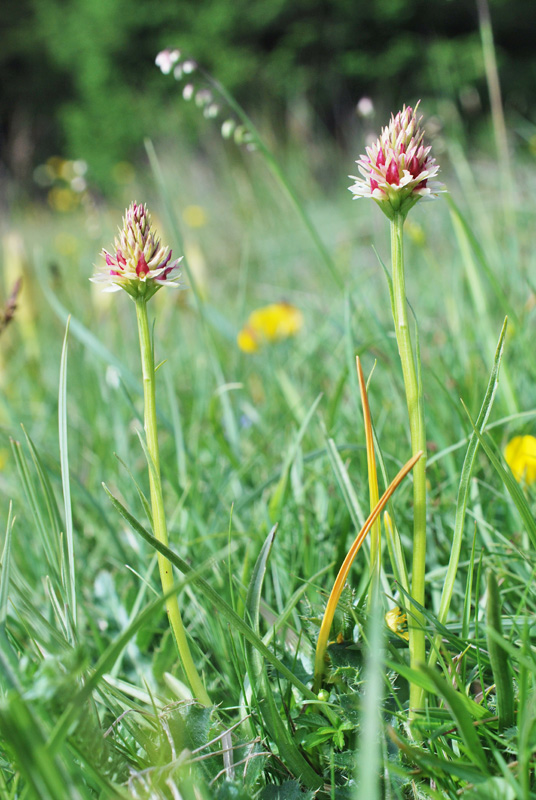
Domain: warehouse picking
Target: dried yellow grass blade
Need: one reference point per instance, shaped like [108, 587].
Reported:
[374, 495]
[334, 597]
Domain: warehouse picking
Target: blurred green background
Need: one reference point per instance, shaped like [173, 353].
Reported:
[79, 78]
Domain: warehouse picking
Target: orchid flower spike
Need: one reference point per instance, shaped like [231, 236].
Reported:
[397, 170]
[138, 263]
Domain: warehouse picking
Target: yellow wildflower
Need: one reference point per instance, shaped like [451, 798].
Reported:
[194, 216]
[520, 455]
[397, 621]
[247, 340]
[270, 323]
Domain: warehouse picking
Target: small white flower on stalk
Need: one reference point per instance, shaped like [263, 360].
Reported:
[139, 264]
[365, 107]
[166, 59]
[188, 91]
[397, 169]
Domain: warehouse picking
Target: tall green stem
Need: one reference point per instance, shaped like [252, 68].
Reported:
[157, 503]
[415, 404]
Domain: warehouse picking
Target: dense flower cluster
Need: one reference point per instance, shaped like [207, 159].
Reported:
[397, 169]
[139, 264]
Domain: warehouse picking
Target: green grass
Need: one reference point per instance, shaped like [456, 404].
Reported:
[93, 701]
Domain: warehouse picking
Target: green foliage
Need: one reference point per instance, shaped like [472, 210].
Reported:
[80, 76]
[93, 704]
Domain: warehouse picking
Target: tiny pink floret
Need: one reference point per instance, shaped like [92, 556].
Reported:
[141, 268]
[391, 174]
[414, 166]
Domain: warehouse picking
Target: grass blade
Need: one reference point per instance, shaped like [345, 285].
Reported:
[281, 178]
[64, 462]
[278, 496]
[46, 777]
[50, 545]
[272, 718]
[54, 517]
[90, 342]
[463, 491]
[509, 482]
[432, 765]
[4, 578]
[374, 495]
[213, 595]
[340, 580]
[462, 717]
[345, 485]
[504, 685]
[368, 758]
[479, 299]
[176, 424]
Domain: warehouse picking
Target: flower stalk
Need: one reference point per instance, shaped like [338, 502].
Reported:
[415, 404]
[157, 502]
[140, 265]
[397, 171]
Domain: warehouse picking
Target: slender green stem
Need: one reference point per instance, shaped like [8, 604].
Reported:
[415, 405]
[280, 176]
[157, 502]
[497, 112]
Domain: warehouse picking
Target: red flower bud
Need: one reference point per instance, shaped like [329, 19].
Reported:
[392, 175]
[142, 269]
[414, 167]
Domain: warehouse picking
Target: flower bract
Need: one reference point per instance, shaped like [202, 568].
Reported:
[520, 455]
[270, 323]
[138, 263]
[397, 170]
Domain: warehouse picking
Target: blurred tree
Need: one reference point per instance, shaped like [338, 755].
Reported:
[32, 89]
[79, 75]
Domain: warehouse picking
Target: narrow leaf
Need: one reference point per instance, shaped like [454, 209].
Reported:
[4, 577]
[293, 758]
[510, 483]
[276, 501]
[64, 461]
[463, 719]
[212, 595]
[504, 684]
[374, 495]
[463, 491]
[345, 568]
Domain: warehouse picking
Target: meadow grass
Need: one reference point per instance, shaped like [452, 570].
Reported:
[265, 483]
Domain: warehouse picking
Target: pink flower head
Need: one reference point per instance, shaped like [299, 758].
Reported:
[397, 169]
[138, 263]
